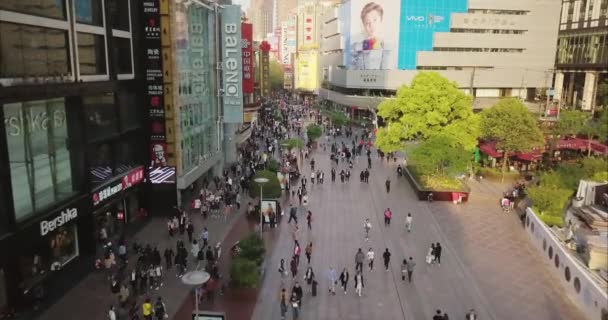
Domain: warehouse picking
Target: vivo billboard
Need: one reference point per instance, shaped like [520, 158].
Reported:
[232, 63]
[370, 40]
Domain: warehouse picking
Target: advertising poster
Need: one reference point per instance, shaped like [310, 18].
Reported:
[420, 19]
[373, 42]
[158, 155]
[307, 70]
[153, 71]
[288, 42]
[247, 53]
[264, 65]
[288, 79]
[269, 209]
[232, 79]
[309, 29]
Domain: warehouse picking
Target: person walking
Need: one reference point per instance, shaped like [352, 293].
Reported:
[403, 269]
[430, 256]
[367, 226]
[387, 258]
[308, 251]
[359, 283]
[344, 279]
[410, 264]
[111, 313]
[160, 309]
[282, 270]
[408, 222]
[370, 258]
[297, 251]
[309, 276]
[283, 302]
[388, 214]
[294, 267]
[359, 257]
[146, 309]
[190, 230]
[387, 183]
[168, 257]
[438, 253]
[471, 315]
[438, 315]
[297, 289]
[309, 220]
[293, 211]
[295, 305]
[205, 237]
[332, 276]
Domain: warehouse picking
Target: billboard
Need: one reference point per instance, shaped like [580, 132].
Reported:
[307, 70]
[247, 52]
[373, 40]
[232, 79]
[288, 79]
[420, 19]
[288, 42]
[370, 41]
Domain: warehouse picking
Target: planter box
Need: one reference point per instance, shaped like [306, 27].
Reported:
[438, 195]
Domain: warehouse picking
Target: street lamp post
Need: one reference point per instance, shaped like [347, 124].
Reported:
[195, 278]
[261, 181]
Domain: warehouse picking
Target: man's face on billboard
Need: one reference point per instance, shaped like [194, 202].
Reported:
[371, 23]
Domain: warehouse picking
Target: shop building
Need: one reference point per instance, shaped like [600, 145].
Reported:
[582, 52]
[72, 148]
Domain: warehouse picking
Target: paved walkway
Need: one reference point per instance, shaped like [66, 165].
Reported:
[487, 262]
[91, 298]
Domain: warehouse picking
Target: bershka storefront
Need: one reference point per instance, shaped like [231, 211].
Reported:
[117, 206]
[40, 260]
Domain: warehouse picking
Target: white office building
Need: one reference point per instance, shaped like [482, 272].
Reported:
[490, 48]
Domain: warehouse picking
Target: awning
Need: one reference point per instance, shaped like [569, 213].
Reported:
[599, 148]
[530, 156]
[572, 144]
[489, 148]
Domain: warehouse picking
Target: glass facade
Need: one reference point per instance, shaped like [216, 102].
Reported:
[583, 49]
[39, 158]
[91, 54]
[196, 80]
[28, 51]
[45, 8]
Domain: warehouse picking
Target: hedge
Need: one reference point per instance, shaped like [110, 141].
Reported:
[272, 189]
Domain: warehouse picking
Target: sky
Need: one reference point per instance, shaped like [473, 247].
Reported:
[244, 3]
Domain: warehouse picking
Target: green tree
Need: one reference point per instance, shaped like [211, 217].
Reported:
[313, 132]
[438, 156]
[571, 122]
[602, 93]
[272, 189]
[292, 143]
[430, 106]
[596, 128]
[276, 75]
[513, 127]
[549, 203]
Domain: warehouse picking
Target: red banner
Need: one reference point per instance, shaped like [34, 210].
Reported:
[247, 42]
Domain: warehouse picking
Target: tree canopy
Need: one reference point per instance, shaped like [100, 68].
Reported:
[439, 156]
[512, 126]
[571, 122]
[313, 132]
[276, 75]
[431, 106]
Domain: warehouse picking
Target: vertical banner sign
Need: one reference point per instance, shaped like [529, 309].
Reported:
[154, 80]
[265, 68]
[288, 79]
[232, 64]
[247, 46]
[309, 28]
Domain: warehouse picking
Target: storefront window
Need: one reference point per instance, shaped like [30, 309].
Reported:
[129, 110]
[101, 116]
[21, 47]
[119, 11]
[122, 55]
[50, 9]
[91, 54]
[89, 12]
[100, 158]
[55, 250]
[39, 158]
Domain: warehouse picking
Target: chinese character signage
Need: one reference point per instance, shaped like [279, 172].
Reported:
[132, 178]
[247, 52]
[309, 30]
[288, 79]
[265, 69]
[154, 73]
[232, 64]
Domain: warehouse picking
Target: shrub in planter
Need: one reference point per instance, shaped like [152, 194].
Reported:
[272, 189]
[244, 273]
[313, 132]
[252, 248]
[273, 165]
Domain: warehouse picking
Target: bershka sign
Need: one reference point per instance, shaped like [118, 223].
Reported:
[129, 180]
[64, 217]
[232, 64]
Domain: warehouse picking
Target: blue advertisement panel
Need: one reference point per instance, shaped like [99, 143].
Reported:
[232, 75]
[344, 20]
[420, 19]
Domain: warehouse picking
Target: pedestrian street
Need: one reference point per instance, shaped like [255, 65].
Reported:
[486, 262]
